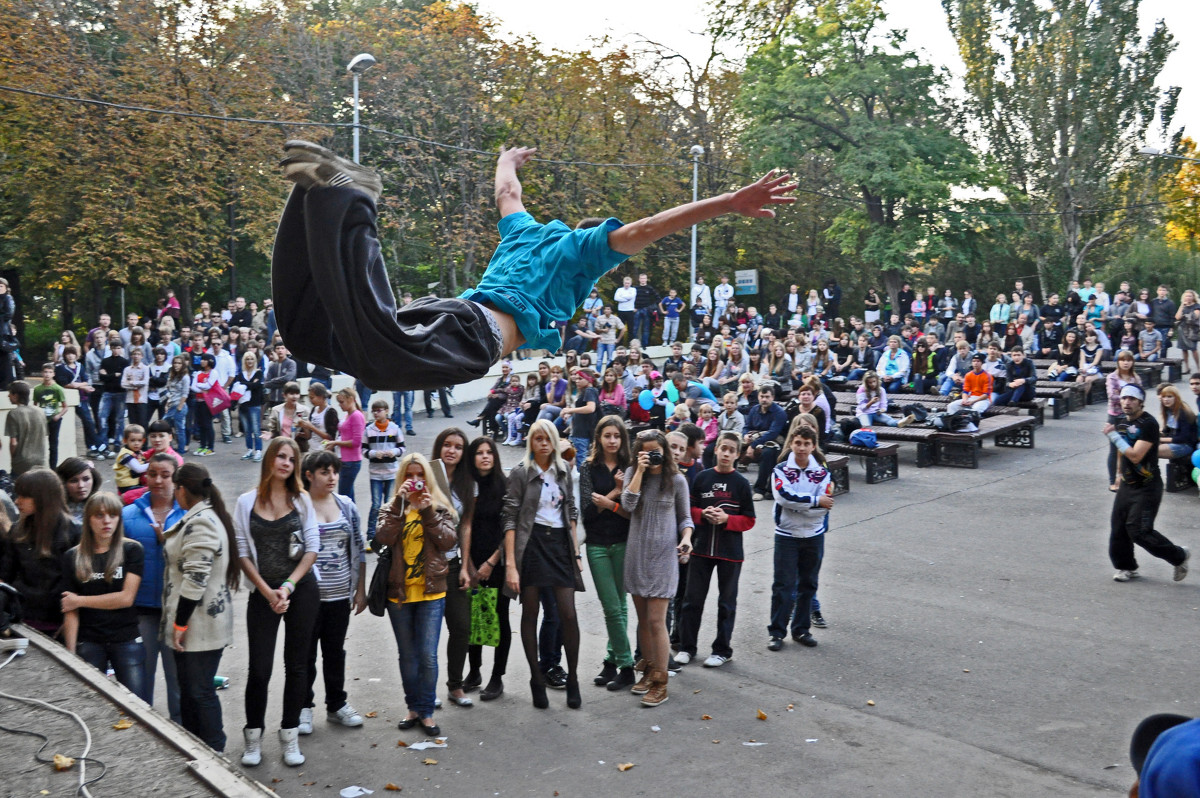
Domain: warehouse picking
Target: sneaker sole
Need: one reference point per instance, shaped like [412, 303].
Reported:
[646, 703]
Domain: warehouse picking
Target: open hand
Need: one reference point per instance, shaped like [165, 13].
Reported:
[770, 189]
[517, 156]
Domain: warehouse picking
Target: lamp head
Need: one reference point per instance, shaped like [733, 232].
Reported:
[361, 63]
[697, 150]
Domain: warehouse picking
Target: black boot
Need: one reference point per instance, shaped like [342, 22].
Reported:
[494, 689]
[574, 699]
[472, 682]
[624, 679]
[607, 674]
[538, 689]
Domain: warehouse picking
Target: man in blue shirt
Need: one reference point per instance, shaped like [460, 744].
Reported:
[765, 423]
[335, 305]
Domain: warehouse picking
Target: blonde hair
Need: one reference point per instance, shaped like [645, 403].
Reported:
[432, 486]
[100, 504]
[352, 395]
[547, 428]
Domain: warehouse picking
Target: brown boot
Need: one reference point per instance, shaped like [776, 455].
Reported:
[657, 694]
[640, 666]
[646, 682]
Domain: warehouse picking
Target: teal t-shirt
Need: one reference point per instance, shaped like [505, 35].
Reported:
[541, 273]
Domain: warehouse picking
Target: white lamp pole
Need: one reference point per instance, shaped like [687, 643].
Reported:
[696, 151]
[358, 65]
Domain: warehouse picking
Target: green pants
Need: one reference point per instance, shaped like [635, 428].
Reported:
[608, 574]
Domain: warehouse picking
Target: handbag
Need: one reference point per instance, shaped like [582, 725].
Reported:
[485, 619]
[377, 591]
[217, 399]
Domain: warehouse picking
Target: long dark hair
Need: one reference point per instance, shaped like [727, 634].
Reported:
[624, 457]
[194, 478]
[492, 486]
[100, 504]
[49, 509]
[72, 467]
[461, 484]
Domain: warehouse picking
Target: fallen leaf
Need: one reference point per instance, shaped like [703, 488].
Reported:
[556, 792]
[401, 744]
[309, 783]
[716, 742]
[428, 761]
[63, 762]
[625, 767]
[753, 740]
[371, 715]
[706, 717]
[393, 787]
[276, 781]
[44, 792]
[761, 715]
[791, 707]
[440, 740]
[374, 745]
[123, 723]
[966, 670]
[695, 692]
[870, 703]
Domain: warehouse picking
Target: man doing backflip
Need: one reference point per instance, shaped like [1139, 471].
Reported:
[1135, 507]
[335, 306]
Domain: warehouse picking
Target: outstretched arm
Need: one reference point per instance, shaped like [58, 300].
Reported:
[771, 189]
[508, 186]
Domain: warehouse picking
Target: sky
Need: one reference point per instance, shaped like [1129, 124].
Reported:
[680, 23]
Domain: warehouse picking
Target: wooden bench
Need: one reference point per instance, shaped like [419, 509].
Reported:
[1179, 475]
[1060, 392]
[881, 463]
[839, 472]
[961, 449]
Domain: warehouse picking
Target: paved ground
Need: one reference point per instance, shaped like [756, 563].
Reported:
[975, 608]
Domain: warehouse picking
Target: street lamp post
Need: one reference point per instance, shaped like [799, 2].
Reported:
[358, 65]
[697, 151]
[1154, 152]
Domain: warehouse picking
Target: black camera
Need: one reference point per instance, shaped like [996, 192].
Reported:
[655, 457]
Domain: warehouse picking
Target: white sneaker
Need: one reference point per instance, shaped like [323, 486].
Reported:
[306, 717]
[715, 661]
[291, 747]
[1125, 576]
[1182, 569]
[253, 753]
[683, 658]
[346, 716]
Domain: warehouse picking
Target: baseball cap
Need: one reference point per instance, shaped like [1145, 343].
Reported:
[1135, 391]
[1165, 752]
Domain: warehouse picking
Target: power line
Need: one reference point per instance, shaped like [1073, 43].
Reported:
[606, 165]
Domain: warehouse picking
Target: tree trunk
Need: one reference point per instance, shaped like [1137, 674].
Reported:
[183, 292]
[68, 310]
[97, 302]
[1043, 264]
[893, 281]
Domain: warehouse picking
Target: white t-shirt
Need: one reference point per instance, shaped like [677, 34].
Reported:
[624, 297]
[549, 511]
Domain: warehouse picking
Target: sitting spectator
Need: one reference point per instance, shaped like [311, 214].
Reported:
[894, 365]
[1066, 362]
[872, 404]
[1179, 432]
[956, 369]
[1021, 377]
[1150, 342]
[765, 423]
[977, 389]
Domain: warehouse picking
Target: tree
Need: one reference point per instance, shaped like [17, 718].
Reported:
[1062, 94]
[1183, 194]
[834, 89]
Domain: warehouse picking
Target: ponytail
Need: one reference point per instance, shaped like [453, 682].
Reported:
[194, 478]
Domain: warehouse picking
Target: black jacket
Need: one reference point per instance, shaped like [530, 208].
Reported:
[38, 579]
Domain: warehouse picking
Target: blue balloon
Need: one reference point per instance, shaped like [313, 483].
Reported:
[646, 399]
[672, 392]
[1196, 458]
[670, 408]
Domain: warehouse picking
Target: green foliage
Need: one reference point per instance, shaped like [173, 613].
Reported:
[1150, 261]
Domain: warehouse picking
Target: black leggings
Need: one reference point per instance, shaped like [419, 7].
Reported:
[262, 627]
[458, 626]
[530, 605]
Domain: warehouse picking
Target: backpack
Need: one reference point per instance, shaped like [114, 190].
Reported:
[864, 436]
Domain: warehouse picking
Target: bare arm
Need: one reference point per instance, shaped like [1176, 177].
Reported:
[508, 186]
[771, 189]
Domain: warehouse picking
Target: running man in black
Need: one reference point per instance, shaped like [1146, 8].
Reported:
[1136, 436]
[335, 306]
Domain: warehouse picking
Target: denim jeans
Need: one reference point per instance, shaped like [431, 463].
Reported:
[416, 625]
[670, 330]
[894, 385]
[405, 400]
[128, 661]
[797, 564]
[856, 374]
[381, 490]
[364, 393]
[945, 386]
[84, 411]
[582, 447]
[643, 325]
[876, 419]
[550, 639]
[346, 477]
[148, 624]
[111, 424]
[198, 703]
[604, 354]
[250, 419]
[700, 570]
[178, 419]
[329, 633]
[1025, 393]
[608, 573]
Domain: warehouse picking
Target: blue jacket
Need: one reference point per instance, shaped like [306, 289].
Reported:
[771, 424]
[139, 526]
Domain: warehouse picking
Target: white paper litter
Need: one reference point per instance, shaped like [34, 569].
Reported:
[655, 728]
[811, 740]
[355, 791]
[752, 745]
[421, 746]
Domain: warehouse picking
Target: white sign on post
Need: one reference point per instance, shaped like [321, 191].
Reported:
[745, 282]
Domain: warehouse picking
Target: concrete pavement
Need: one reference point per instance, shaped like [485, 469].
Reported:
[975, 608]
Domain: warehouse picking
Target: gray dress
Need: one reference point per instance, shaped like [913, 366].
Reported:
[658, 518]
